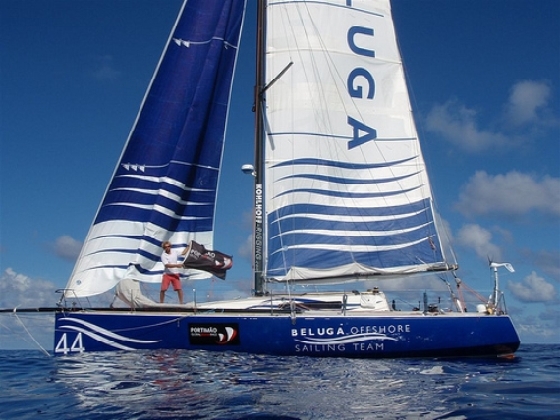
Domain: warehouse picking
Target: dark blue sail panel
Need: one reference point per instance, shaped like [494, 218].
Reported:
[175, 149]
[386, 238]
[164, 186]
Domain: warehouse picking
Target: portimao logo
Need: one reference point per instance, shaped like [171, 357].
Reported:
[214, 334]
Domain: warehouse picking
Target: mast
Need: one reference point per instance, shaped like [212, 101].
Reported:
[258, 233]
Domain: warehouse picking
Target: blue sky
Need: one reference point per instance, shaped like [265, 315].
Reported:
[484, 78]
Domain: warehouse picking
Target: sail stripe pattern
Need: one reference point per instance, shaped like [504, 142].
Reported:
[164, 186]
[347, 189]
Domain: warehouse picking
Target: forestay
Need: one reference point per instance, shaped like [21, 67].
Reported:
[164, 186]
[347, 193]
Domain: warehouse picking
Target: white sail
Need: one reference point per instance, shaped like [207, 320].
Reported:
[347, 193]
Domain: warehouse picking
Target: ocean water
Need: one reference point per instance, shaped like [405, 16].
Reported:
[202, 385]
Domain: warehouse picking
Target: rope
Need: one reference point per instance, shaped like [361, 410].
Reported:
[30, 335]
[474, 292]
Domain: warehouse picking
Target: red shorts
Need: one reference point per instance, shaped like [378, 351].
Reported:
[170, 278]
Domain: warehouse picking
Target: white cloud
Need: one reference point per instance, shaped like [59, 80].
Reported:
[25, 330]
[245, 249]
[514, 194]
[533, 330]
[459, 126]
[526, 98]
[67, 247]
[20, 290]
[533, 289]
[525, 113]
[475, 237]
[548, 261]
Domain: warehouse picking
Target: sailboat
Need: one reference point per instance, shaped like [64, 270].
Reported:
[341, 197]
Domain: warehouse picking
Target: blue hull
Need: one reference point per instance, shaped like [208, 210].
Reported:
[335, 335]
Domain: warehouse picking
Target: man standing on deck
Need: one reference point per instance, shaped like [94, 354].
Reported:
[169, 258]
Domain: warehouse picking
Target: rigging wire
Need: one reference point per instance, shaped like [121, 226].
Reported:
[29, 333]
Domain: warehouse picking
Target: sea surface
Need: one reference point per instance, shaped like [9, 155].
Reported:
[203, 385]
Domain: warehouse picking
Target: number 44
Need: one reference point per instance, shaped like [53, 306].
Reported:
[62, 345]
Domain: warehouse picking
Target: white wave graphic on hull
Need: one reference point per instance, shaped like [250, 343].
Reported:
[102, 335]
[355, 338]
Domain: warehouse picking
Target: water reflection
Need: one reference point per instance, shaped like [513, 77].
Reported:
[198, 384]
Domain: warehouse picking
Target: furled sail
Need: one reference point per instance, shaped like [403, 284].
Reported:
[347, 192]
[164, 186]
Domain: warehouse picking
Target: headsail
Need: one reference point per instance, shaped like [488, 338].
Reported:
[164, 186]
[347, 192]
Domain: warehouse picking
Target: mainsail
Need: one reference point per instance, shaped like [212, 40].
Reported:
[164, 186]
[347, 192]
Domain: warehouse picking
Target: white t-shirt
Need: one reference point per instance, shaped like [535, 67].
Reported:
[171, 258]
